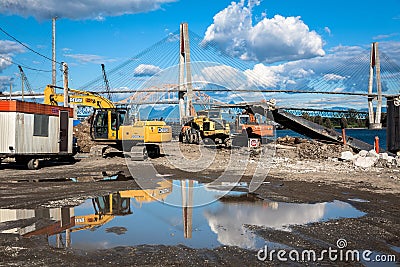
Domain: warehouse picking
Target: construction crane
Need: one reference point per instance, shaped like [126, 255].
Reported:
[26, 83]
[106, 83]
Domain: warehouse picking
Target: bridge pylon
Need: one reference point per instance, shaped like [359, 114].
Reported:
[185, 85]
[375, 69]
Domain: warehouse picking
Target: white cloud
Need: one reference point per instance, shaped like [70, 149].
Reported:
[220, 74]
[10, 47]
[265, 76]
[146, 70]
[333, 77]
[327, 30]
[234, 218]
[7, 50]
[269, 40]
[5, 62]
[78, 9]
[5, 82]
[385, 36]
[88, 58]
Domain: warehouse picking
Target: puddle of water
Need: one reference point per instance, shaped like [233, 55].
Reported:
[397, 249]
[358, 200]
[134, 217]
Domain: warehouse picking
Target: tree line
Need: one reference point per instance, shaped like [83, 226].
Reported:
[349, 121]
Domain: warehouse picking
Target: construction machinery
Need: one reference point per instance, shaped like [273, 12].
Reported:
[114, 126]
[118, 204]
[251, 129]
[106, 208]
[206, 126]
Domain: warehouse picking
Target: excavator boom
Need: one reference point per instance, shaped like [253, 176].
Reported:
[83, 98]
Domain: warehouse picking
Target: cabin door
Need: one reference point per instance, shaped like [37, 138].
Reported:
[64, 116]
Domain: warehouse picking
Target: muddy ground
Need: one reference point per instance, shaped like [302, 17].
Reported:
[296, 172]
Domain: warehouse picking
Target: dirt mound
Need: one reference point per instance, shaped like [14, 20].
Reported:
[318, 150]
[82, 132]
[289, 140]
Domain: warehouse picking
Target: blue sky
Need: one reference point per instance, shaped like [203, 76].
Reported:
[277, 37]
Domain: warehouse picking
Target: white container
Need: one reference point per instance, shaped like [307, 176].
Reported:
[32, 131]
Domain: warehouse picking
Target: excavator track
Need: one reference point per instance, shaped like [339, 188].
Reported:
[97, 150]
[138, 153]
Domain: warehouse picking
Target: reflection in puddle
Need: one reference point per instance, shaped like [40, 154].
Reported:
[168, 213]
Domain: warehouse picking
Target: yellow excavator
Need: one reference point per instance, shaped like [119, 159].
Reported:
[114, 126]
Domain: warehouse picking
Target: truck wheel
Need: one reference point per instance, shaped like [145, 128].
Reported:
[33, 164]
[192, 139]
[187, 136]
[228, 142]
[195, 137]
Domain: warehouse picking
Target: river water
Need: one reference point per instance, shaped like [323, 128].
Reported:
[365, 135]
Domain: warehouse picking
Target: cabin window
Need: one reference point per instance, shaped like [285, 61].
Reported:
[41, 125]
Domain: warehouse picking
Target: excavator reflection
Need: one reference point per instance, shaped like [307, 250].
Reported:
[62, 225]
[56, 221]
[119, 204]
[106, 208]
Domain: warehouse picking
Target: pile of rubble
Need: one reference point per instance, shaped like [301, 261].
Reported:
[312, 149]
[366, 159]
[82, 132]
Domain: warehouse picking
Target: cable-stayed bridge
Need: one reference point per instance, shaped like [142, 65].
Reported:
[152, 77]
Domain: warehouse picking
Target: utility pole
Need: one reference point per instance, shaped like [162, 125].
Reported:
[65, 72]
[375, 119]
[53, 70]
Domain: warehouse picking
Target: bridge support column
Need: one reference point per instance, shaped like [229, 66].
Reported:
[185, 86]
[375, 119]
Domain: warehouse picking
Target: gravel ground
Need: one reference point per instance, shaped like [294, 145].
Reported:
[295, 173]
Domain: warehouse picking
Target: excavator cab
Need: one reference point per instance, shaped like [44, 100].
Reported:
[112, 204]
[106, 123]
[242, 120]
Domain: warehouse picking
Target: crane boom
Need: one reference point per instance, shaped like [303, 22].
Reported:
[106, 83]
[26, 82]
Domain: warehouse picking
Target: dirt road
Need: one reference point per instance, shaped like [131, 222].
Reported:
[292, 177]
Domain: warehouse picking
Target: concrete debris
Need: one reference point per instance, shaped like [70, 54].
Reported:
[347, 156]
[372, 153]
[367, 159]
[365, 162]
[363, 153]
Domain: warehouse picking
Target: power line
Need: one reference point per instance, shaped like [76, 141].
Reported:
[18, 64]
[27, 47]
